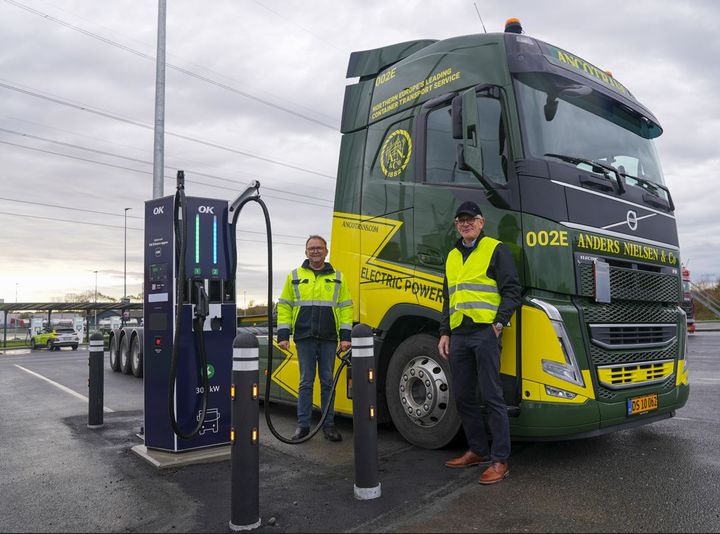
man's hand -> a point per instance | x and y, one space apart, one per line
345 346
284 345
444 347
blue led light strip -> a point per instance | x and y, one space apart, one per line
215 239
197 238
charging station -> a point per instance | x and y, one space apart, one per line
188 351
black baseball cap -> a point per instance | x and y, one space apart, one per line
468 208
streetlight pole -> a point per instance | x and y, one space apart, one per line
95 299
16 286
125 267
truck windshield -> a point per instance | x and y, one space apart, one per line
585 125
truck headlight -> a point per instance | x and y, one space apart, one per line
568 371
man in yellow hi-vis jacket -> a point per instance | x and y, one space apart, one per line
316 307
481 291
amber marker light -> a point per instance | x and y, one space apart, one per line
232 435
254 391
232 391
371 375
372 412
254 436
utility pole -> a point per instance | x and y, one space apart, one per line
159 145
125 299
95 299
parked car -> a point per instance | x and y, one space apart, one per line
55 337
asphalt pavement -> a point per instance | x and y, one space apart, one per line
60 476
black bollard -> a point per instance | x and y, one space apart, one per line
244 437
364 414
95 381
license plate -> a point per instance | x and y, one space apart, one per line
646 403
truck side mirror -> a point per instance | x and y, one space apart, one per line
471 148
457 121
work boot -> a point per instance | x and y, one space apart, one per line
468 459
332 434
300 433
497 472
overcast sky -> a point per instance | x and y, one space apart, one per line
254 90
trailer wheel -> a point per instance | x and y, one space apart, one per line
125 360
114 353
418 393
136 356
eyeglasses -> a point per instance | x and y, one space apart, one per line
467 220
316 249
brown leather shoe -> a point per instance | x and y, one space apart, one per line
468 459
495 473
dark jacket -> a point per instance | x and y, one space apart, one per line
501 269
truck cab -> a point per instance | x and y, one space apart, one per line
559 155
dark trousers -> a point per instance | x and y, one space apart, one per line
475 364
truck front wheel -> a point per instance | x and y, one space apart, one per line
418 393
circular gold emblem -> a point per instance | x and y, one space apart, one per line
395 153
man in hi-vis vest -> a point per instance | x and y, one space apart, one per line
481 291
315 305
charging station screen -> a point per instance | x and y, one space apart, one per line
158 321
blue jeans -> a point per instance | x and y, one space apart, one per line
310 352
475 364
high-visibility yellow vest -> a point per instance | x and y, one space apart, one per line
304 289
471 291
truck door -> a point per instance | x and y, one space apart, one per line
386 237
443 183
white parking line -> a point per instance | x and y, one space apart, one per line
60 386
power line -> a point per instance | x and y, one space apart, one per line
298 25
82 107
121 167
136 149
168 65
47 205
135 160
129 228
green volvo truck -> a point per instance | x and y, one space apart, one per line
560 157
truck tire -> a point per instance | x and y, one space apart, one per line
114 353
419 399
136 356
50 346
125 360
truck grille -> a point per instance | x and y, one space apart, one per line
632 344
635 375
600 356
632 284
628 336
